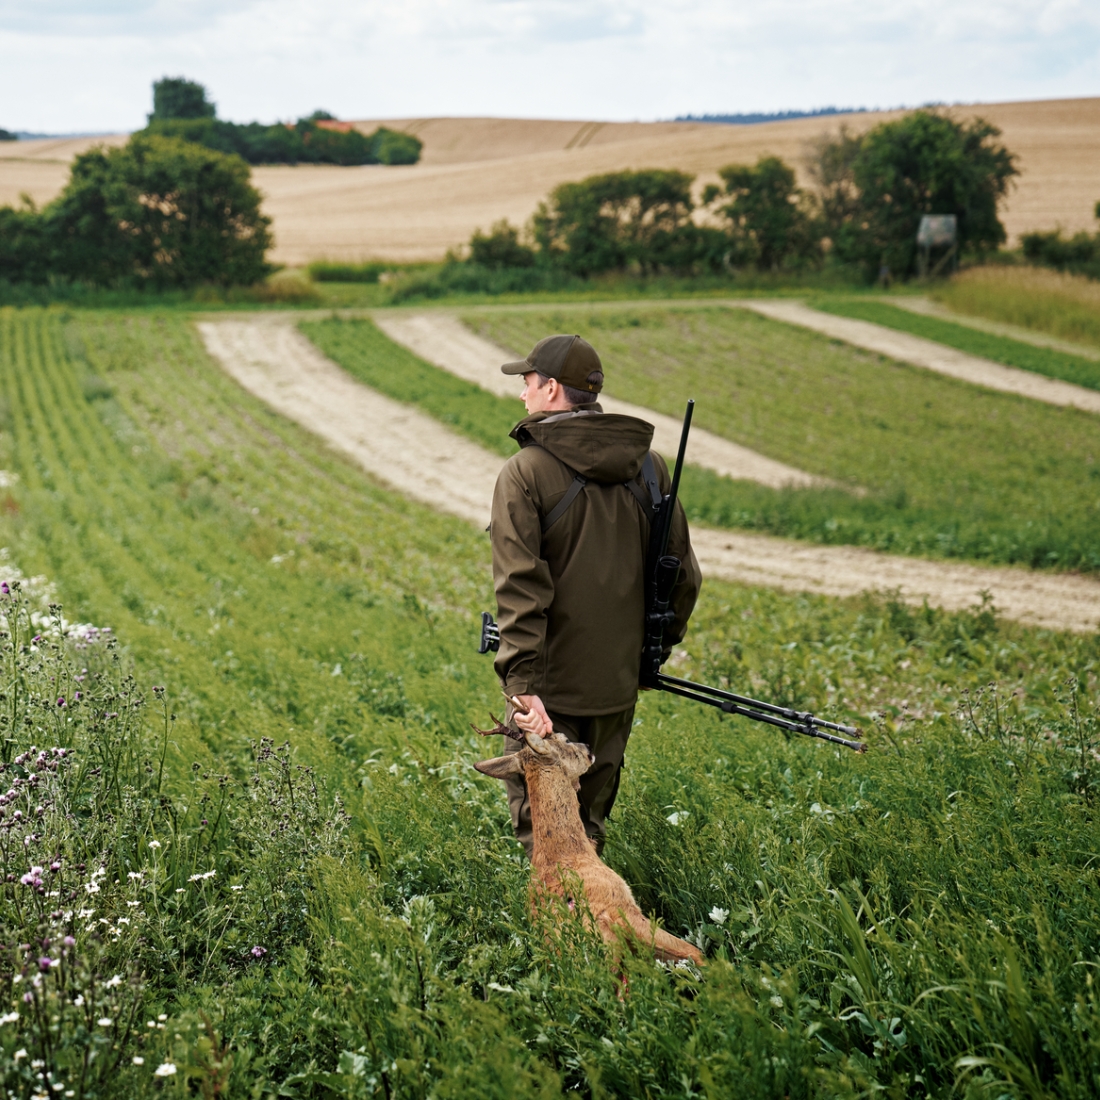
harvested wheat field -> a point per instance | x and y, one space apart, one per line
475 171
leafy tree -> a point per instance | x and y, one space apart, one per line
7 135
770 225
24 248
160 212
500 249
924 163
613 221
175 97
832 169
393 147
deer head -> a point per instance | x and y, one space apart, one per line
555 751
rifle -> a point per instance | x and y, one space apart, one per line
661 573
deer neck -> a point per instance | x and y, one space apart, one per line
556 825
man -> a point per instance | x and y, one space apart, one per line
570 529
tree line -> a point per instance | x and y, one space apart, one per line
870 192
174 207
181 109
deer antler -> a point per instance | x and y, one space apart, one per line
498 729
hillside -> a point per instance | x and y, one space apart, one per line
475 171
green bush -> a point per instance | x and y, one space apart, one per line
469 278
874 189
158 212
325 271
770 224
1076 255
620 220
500 249
181 110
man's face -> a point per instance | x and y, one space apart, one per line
535 399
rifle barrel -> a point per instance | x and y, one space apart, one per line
674 491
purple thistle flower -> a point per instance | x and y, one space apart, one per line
45 963
61 701
258 952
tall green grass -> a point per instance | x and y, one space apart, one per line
1001 349
951 470
919 920
1067 306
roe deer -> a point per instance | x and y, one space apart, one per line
552 768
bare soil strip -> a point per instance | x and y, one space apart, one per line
442 339
421 458
931 356
928 308
411 451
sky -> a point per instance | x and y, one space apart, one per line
88 65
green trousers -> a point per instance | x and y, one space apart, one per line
606 736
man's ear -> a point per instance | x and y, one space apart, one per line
502 766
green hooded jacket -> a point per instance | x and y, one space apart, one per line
571 602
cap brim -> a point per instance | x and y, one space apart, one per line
522 367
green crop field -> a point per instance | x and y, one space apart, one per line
951 470
916 921
1001 349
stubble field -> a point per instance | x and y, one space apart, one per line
475 171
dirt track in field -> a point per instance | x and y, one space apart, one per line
420 457
932 356
442 339
475 171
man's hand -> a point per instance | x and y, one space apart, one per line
536 720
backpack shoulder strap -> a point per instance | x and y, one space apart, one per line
651 502
559 509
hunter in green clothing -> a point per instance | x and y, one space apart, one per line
570 529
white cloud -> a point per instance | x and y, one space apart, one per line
71 65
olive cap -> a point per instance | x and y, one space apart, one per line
570 359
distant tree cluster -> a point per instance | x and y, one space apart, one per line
7 135
869 196
158 212
182 110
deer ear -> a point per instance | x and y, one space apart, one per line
502 766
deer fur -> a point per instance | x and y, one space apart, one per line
563 853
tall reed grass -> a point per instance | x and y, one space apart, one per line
1067 306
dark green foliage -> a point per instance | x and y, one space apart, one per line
181 110
324 271
7 135
158 212
619 220
923 163
1001 349
24 245
394 147
1079 254
177 97
500 249
460 278
770 225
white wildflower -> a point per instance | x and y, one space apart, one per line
19 1054
113 981
156 844
165 1069
719 915
9 1018
105 1021
138 1060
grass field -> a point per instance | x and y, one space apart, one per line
1067 306
919 920
952 470
1001 349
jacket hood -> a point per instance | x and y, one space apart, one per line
603 447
